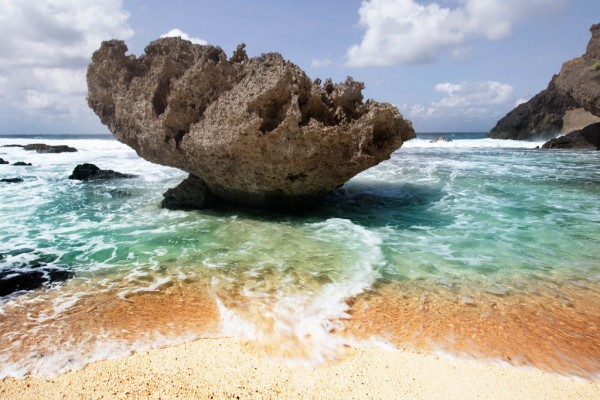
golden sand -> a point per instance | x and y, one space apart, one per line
555 329
225 369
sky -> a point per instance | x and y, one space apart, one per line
448 65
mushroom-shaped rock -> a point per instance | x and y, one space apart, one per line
256 131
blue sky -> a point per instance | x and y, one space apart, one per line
449 65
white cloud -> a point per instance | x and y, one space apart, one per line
466 99
474 93
179 33
407 31
45 46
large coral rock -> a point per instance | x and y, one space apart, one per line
256 131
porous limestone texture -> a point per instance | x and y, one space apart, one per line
256 130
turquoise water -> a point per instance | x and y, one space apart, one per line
493 215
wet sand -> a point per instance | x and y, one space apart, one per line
555 327
454 342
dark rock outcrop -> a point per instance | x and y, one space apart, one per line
255 130
90 172
587 138
11 180
22 164
31 277
2 161
191 194
45 148
539 118
576 87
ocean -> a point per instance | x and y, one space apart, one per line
479 248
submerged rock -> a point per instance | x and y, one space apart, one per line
255 130
571 101
587 138
45 148
90 172
22 164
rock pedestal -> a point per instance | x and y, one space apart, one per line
255 131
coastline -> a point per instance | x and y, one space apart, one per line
228 368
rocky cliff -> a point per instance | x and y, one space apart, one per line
256 131
571 101
540 117
580 77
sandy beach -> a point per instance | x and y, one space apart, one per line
229 369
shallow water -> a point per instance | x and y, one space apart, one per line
444 245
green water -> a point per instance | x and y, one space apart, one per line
474 213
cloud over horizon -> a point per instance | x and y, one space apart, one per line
466 100
412 32
45 47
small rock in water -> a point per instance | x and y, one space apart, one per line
440 139
31 277
2 161
11 180
89 172
44 148
22 163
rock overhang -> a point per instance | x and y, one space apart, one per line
256 130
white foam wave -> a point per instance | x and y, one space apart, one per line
472 143
298 324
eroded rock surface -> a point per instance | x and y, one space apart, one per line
254 130
580 77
